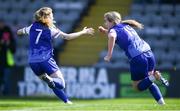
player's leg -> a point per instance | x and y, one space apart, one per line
151 66
48 80
154 89
58 79
147 83
139 73
57 87
143 76
143 84
40 68
54 79
159 77
37 69
156 93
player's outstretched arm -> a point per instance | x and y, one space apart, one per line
24 31
89 31
111 42
20 32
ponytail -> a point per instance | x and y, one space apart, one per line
133 23
115 18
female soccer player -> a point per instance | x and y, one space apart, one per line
142 61
41 61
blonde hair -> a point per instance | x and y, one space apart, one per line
42 16
115 17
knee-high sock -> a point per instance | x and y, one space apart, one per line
59 83
154 90
60 94
144 84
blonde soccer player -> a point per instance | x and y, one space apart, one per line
40 59
141 58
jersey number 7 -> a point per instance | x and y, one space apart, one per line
39 35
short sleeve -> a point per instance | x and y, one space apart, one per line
112 33
55 32
26 30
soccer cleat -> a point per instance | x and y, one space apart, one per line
49 82
69 102
161 102
159 77
164 81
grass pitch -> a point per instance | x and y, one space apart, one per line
125 104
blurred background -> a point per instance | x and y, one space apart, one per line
81 60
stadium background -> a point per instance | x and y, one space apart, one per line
81 60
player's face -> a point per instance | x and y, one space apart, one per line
107 23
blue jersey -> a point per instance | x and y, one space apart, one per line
40 39
128 40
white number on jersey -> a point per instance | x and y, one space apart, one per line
39 35
130 31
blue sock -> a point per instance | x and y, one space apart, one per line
58 83
144 84
154 90
60 94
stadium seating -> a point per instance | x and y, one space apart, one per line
84 51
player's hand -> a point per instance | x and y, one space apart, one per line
19 32
102 30
107 58
88 30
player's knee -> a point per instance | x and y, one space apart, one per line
58 79
59 83
62 82
49 82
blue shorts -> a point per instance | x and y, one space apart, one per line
141 65
49 67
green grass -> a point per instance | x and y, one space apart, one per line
126 104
